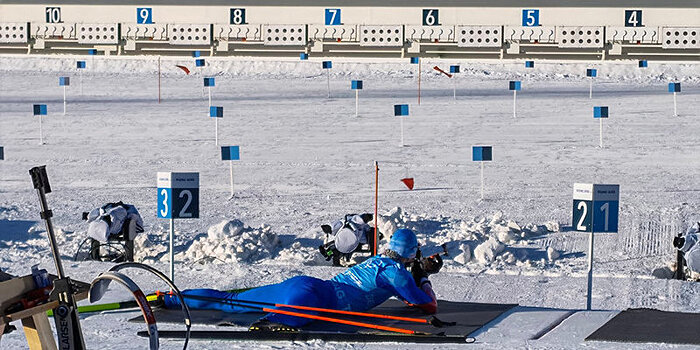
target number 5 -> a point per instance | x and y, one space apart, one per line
531 18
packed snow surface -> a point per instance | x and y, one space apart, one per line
306 160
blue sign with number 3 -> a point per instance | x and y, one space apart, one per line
144 15
531 18
165 196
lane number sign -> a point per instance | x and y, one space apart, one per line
431 17
332 17
596 207
531 18
178 195
238 16
144 15
53 15
633 18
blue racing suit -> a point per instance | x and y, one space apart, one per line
359 288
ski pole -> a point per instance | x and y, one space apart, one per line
242 303
432 321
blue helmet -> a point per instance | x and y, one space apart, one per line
404 243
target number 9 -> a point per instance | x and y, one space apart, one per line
144 15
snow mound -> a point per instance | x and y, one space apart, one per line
487 251
484 240
552 254
466 255
300 253
232 241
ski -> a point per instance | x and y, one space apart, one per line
324 336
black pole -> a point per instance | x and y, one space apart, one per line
70 336
41 183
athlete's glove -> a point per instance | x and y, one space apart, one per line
418 273
432 264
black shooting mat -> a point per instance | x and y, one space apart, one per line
469 317
650 326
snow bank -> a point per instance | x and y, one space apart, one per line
298 253
481 241
229 241
261 68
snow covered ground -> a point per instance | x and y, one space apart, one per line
307 160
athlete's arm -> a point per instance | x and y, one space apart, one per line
427 287
402 282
